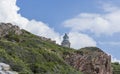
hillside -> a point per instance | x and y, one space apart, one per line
30 54
116 68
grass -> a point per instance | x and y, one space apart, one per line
28 54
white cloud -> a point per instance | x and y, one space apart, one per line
109 7
8 13
98 24
111 43
41 29
115 60
79 40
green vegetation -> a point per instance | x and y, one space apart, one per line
29 54
116 68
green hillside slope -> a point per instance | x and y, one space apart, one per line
116 68
29 54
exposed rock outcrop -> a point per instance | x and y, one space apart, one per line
7 28
90 60
5 69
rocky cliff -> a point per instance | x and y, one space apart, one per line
90 60
7 28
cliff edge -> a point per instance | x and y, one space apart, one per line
90 60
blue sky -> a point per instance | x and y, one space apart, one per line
87 22
54 12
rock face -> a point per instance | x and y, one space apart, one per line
90 60
7 28
5 69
